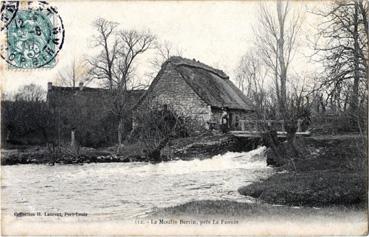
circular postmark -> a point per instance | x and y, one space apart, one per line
7 13
34 37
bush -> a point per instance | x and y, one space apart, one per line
26 122
35 123
155 127
313 188
339 123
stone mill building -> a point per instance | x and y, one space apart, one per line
194 89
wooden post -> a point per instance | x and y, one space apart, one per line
73 140
256 126
270 124
242 125
299 121
283 128
59 137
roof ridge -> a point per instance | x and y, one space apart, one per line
179 61
77 87
93 88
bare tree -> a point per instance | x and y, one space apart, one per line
342 47
102 65
132 45
164 50
250 77
115 64
7 96
276 40
73 74
31 92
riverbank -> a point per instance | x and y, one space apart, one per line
43 155
325 171
256 211
245 218
200 147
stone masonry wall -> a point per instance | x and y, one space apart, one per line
171 89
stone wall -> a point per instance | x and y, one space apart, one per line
172 90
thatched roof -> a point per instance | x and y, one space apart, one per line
212 85
82 89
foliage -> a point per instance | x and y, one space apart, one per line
26 122
312 179
38 122
27 119
338 123
157 126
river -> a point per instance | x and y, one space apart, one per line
118 191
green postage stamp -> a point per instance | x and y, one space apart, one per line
34 36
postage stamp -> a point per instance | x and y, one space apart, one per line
34 37
8 11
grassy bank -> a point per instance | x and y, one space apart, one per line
234 218
326 170
218 208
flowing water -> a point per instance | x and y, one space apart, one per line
116 191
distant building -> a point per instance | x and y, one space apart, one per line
88 111
194 89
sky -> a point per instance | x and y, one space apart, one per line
217 33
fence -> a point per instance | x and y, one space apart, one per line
263 125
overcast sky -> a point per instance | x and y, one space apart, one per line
216 33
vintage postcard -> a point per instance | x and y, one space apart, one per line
184 118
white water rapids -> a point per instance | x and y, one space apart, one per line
116 191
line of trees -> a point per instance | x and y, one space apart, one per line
266 74
342 48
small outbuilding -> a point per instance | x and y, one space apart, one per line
87 112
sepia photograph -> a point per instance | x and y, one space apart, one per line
174 118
